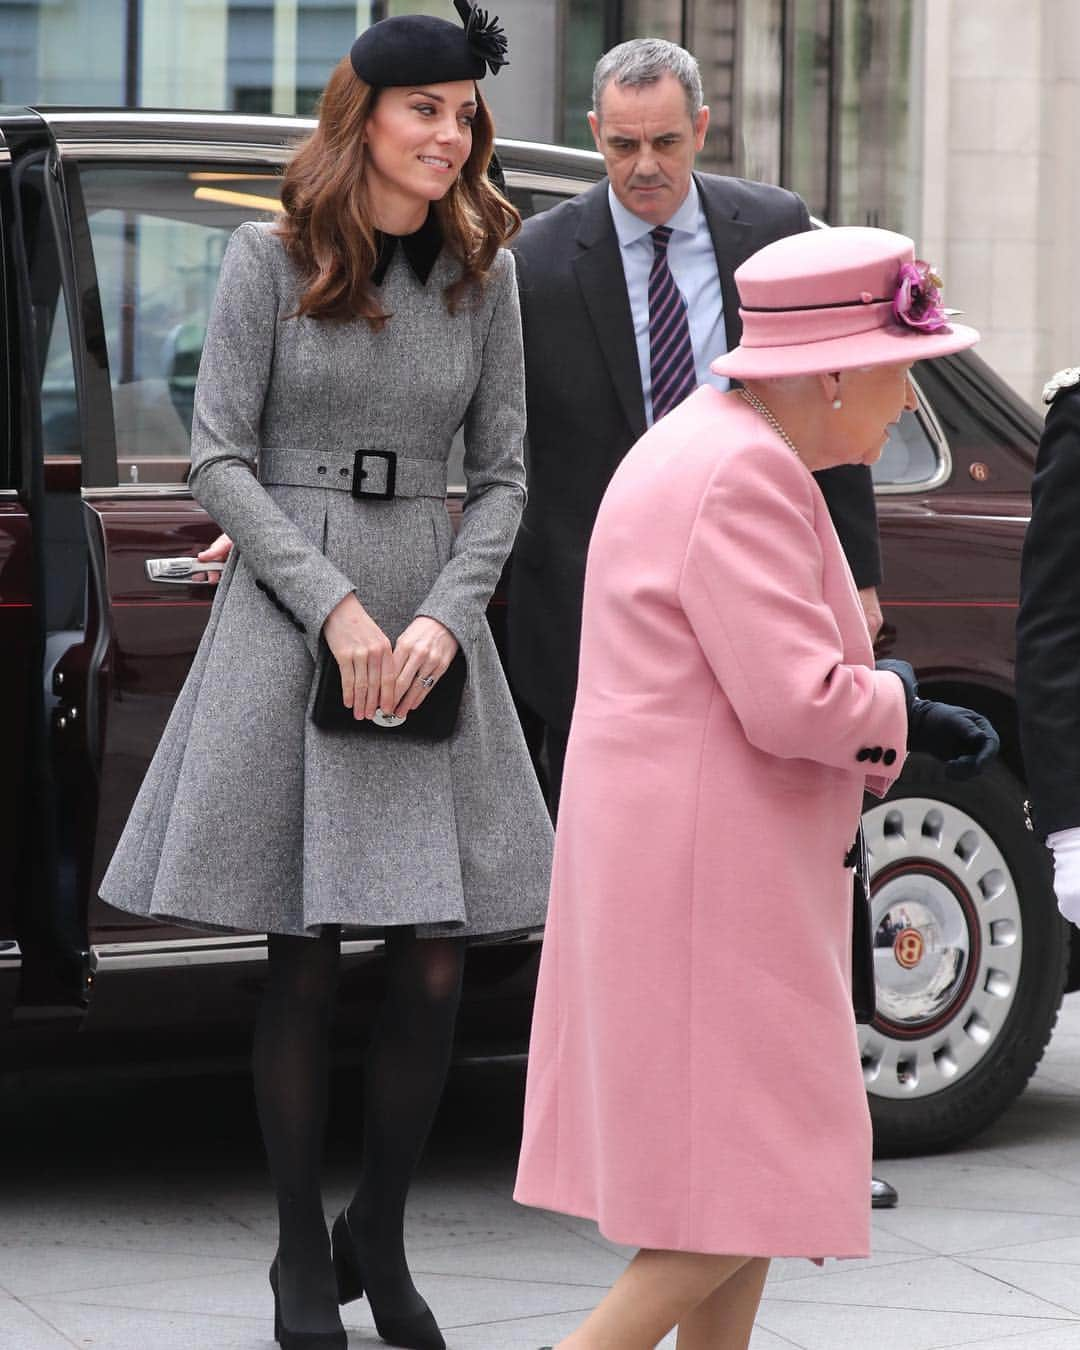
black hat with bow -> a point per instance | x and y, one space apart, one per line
421 49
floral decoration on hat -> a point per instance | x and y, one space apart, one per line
484 35
917 302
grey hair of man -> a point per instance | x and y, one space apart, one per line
643 61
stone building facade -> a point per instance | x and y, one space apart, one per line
1001 176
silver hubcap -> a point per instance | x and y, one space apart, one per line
947 946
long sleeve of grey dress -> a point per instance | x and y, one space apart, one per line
226 431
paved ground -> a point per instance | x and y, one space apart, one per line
141 1218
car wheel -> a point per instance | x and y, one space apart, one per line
970 956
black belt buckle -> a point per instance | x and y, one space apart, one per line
360 473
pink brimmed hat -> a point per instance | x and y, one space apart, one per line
835 299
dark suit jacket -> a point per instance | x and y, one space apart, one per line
1048 624
586 409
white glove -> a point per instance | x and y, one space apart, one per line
1065 846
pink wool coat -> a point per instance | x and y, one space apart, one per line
694 1080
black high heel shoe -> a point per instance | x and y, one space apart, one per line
412 1331
301 1340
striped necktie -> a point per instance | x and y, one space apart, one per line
673 374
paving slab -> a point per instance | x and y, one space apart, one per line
821 1327
160 1236
22 1328
947 1231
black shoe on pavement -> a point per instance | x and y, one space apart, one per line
882 1195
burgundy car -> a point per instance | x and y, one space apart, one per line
112 228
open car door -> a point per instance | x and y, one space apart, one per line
58 428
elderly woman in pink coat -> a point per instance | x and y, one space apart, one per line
694 1081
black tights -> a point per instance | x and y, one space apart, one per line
404 1076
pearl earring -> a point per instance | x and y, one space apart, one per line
837 404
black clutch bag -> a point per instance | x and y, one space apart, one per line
863 996
434 720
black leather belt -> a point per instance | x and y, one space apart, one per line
378 474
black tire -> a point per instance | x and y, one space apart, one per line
946 1056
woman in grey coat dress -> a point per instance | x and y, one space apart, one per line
378 317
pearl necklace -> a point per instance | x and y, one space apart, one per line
766 412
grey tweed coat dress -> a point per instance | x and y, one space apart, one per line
250 817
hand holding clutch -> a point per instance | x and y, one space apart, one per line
964 739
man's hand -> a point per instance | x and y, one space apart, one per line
422 652
218 551
1065 846
871 608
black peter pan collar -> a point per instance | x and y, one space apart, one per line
421 248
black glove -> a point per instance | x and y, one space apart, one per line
965 740
906 676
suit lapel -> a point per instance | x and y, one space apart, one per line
599 272
732 240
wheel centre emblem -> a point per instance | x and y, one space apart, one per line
909 948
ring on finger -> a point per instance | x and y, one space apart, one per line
427 681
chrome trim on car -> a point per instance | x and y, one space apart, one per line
937 437
155 123
65 124
258 152
545 182
998 520
213 951
589 163
208 951
138 491
230 151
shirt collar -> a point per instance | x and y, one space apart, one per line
630 228
421 249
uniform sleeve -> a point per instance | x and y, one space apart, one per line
494 469
751 587
1048 624
849 495
233 376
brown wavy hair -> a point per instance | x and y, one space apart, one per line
327 225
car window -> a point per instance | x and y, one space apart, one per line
911 458
159 233
54 358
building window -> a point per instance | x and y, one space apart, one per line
586 24
808 159
875 163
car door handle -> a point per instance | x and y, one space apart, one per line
180 571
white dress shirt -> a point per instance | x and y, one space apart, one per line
692 260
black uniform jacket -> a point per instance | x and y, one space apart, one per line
1048 625
586 409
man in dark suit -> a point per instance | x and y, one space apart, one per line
584 272
1048 640
602 278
